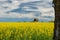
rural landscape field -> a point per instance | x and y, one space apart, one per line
26 30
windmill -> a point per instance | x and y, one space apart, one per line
57 20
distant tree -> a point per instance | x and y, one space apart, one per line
35 19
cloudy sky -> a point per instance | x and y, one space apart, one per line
26 10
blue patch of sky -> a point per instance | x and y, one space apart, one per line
16 19
1 2
21 20
37 14
20 10
44 20
47 17
10 1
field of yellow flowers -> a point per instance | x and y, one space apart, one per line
26 30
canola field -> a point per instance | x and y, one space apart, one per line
26 30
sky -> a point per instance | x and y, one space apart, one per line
26 10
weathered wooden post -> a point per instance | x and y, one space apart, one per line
57 20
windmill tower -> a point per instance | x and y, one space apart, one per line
57 20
